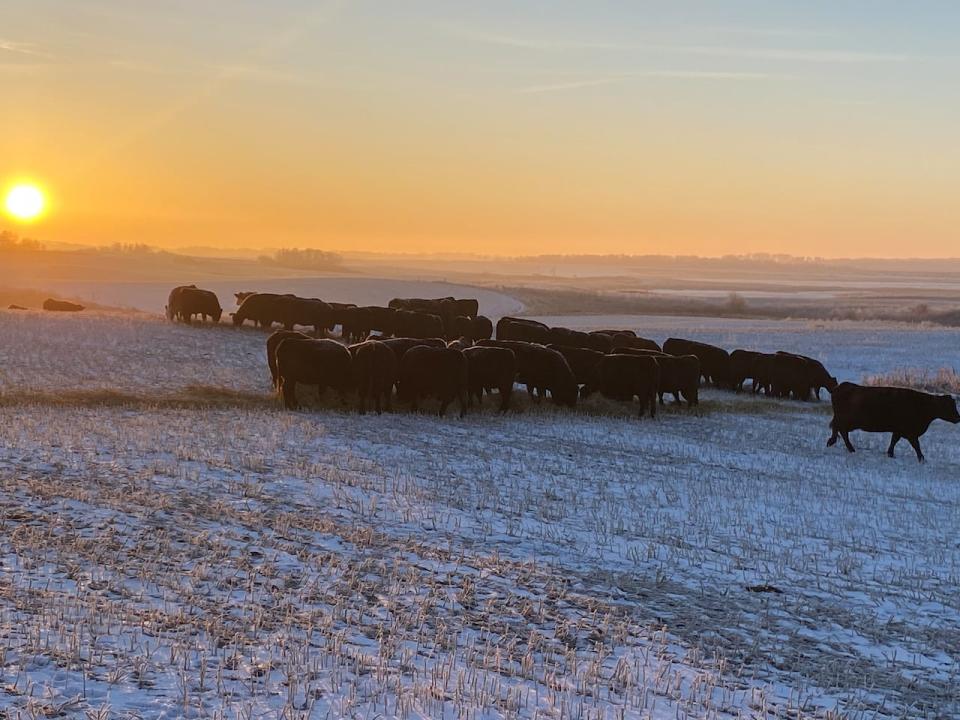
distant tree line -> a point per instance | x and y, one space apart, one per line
9 240
303 259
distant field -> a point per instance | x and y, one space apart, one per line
173 544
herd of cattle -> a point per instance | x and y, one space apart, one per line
444 348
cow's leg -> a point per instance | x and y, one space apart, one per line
660 397
443 406
833 437
894 439
288 389
653 405
845 434
915 443
462 397
505 393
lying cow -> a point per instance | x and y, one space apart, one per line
903 413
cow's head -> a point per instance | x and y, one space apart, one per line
217 315
237 320
948 409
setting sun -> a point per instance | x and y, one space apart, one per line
25 202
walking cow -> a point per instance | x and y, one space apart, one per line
901 412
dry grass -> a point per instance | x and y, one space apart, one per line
942 380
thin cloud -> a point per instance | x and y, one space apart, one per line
20 48
668 74
572 85
808 55
815 56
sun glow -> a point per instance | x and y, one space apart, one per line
25 202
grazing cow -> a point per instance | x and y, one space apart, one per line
679 374
632 341
446 306
263 309
438 372
61 306
575 338
447 309
623 377
762 370
324 363
401 345
307 312
375 371
472 328
358 322
817 375
714 361
172 308
188 300
742 367
273 341
903 413
790 377
542 370
340 313
582 361
491 368
510 328
409 323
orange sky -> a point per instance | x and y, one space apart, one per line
558 128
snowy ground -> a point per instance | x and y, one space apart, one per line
174 545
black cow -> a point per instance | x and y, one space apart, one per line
679 374
714 361
623 377
273 342
410 323
401 345
742 367
903 413
324 363
61 306
578 339
581 360
542 370
510 328
472 328
491 368
817 375
438 372
375 371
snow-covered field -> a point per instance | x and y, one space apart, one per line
175 545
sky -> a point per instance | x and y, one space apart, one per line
511 128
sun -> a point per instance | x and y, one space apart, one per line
25 202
